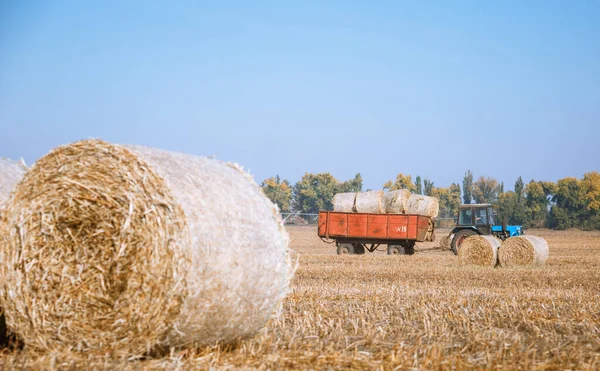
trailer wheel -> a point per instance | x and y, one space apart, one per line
396 250
345 248
459 238
359 248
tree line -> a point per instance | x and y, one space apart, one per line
567 203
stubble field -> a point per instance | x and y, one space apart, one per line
409 312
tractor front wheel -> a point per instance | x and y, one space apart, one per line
459 238
396 250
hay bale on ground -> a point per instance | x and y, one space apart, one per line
11 173
121 250
479 250
370 202
345 202
396 202
523 251
423 205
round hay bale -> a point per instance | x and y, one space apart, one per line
523 251
423 205
122 250
396 202
479 250
11 173
345 202
370 202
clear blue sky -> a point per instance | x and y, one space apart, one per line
503 88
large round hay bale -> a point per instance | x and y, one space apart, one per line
479 250
345 202
122 250
11 173
370 202
523 251
423 205
396 202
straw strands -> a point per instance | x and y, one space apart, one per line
126 249
523 251
345 202
479 250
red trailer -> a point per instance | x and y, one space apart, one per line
354 232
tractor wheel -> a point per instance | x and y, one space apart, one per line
345 248
396 250
459 238
359 249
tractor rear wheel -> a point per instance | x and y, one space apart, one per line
459 238
345 248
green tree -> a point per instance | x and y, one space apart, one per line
354 185
468 187
419 186
536 205
590 192
519 212
402 182
314 192
567 211
485 190
279 192
449 199
505 207
427 187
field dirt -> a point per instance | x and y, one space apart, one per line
424 311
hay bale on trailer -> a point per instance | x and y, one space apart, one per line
123 249
423 205
396 202
479 250
523 251
345 202
370 202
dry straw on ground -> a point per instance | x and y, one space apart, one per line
345 202
479 250
523 251
423 205
370 202
396 202
120 250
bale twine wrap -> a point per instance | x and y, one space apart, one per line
479 250
370 202
523 251
396 202
423 205
344 202
125 249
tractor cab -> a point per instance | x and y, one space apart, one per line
479 219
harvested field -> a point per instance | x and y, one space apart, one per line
423 311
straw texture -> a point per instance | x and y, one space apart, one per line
479 250
423 205
344 202
121 250
370 202
396 202
523 251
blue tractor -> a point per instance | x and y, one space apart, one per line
479 219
